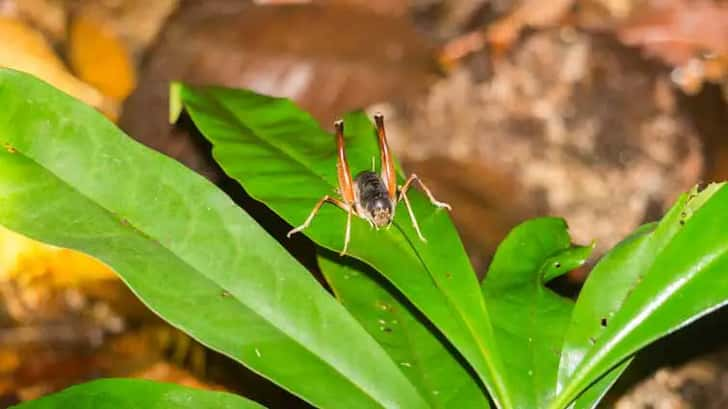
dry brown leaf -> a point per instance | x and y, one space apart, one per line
99 57
689 35
328 59
25 49
679 30
529 13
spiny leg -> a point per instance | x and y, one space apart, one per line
413 177
412 217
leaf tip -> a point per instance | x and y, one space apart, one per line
175 101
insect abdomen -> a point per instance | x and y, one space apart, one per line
371 188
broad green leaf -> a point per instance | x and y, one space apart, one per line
284 159
529 319
608 285
137 393
681 274
602 295
71 178
422 354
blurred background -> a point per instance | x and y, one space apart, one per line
600 111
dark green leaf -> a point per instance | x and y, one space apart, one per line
666 279
422 354
282 158
71 178
530 319
137 393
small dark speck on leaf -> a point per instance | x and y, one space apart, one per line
386 329
682 222
448 274
557 265
592 340
10 148
604 322
124 222
225 293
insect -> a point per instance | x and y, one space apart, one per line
370 196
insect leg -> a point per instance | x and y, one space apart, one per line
346 189
316 209
413 177
412 217
387 162
347 235
346 185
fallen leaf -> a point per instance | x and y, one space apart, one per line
679 30
25 49
99 57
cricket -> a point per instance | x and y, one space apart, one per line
370 196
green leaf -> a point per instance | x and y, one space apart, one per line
422 354
530 319
137 393
71 178
283 159
601 296
660 281
594 393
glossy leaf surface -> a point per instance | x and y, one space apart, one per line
283 159
71 178
669 277
137 393
427 360
530 319
605 290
